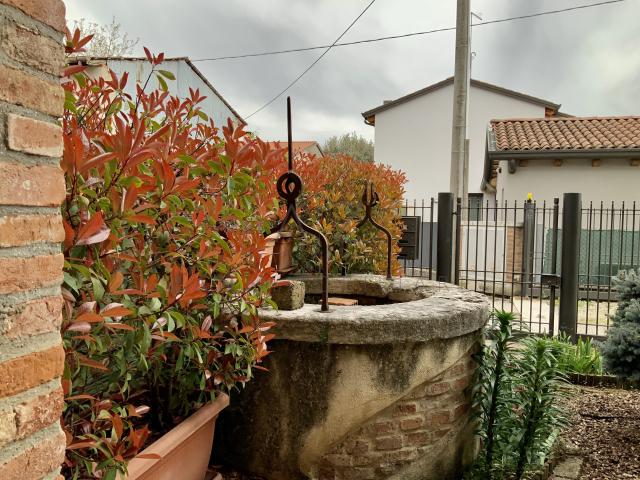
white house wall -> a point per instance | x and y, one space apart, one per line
614 180
185 78
415 136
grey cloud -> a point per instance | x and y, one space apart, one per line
586 60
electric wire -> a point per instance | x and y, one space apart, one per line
313 63
405 35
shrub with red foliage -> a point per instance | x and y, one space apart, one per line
165 218
331 202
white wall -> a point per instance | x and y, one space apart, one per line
416 136
614 180
185 78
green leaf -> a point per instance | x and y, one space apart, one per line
98 288
163 83
167 74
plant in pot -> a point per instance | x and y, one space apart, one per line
164 223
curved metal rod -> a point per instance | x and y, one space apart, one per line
370 199
289 186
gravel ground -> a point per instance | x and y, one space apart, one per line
606 429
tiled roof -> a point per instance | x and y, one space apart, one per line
297 146
369 115
574 133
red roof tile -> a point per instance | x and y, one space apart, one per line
574 133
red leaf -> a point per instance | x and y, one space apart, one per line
82 444
142 219
115 281
94 231
73 69
89 317
115 310
119 326
87 362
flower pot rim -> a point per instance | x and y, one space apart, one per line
177 435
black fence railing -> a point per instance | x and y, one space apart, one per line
512 252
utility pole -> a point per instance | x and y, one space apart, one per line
461 82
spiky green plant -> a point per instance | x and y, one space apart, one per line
489 388
516 402
537 415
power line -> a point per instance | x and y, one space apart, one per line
413 34
314 62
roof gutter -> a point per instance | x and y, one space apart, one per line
485 185
560 154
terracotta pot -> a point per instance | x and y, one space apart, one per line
283 253
269 247
184 451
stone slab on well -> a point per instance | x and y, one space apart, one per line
289 295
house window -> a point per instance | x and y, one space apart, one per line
475 207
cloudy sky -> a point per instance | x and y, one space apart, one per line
587 60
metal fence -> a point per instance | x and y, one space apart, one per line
513 253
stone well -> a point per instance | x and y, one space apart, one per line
362 392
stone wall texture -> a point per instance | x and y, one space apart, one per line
32 442
414 428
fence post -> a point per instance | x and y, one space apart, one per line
571 226
445 237
528 236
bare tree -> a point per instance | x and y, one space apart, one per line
108 40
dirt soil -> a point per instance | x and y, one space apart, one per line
606 429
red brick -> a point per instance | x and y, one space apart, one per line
418 439
438 419
21 274
37 316
406 408
383 427
361 461
338 460
457 369
50 12
33 185
438 434
399 456
25 229
355 447
38 413
460 384
363 473
36 461
389 443
22 373
438 388
459 411
326 473
23 89
33 136
27 46
411 423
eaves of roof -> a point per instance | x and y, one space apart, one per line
369 115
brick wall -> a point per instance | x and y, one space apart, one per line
31 190
513 255
405 431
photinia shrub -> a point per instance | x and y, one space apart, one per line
165 217
331 201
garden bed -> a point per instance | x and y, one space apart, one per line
605 426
